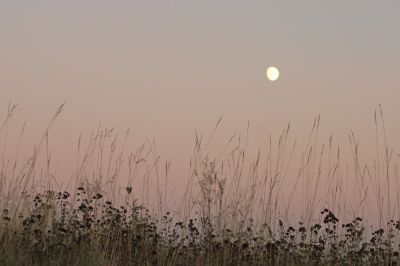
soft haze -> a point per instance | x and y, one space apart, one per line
168 68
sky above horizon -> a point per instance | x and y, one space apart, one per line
168 68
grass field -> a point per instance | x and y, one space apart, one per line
233 211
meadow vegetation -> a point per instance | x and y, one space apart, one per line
233 211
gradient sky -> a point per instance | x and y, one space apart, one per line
167 68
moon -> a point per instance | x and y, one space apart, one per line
272 73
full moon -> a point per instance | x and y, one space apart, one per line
272 73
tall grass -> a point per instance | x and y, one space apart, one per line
276 207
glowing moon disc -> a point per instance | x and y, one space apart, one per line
272 73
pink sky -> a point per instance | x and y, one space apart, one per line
167 68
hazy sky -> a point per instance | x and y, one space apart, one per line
166 68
